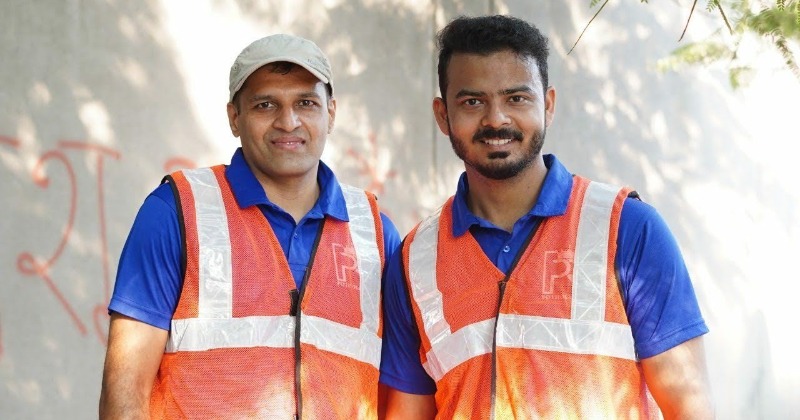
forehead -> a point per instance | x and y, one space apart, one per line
277 79
492 72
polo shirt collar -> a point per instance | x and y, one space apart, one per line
552 200
248 191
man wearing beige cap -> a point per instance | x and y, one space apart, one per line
252 290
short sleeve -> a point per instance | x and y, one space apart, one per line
149 276
401 367
659 298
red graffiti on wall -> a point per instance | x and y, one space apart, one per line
43 264
177 163
40 266
9 141
369 167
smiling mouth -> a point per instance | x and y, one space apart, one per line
497 142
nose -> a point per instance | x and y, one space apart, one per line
495 116
286 120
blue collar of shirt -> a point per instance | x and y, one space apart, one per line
552 200
249 192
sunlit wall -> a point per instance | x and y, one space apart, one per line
100 98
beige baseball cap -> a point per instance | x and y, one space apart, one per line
279 47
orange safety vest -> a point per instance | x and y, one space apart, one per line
550 340
244 343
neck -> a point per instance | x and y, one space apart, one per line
296 196
503 202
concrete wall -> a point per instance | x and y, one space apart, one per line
99 98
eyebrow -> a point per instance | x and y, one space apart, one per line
518 89
464 92
509 91
303 95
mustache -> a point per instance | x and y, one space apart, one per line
502 133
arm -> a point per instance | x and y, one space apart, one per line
401 405
132 359
678 380
146 292
663 312
405 390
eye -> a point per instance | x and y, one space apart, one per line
517 99
305 103
265 105
472 102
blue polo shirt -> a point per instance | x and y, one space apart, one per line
149 280
656 289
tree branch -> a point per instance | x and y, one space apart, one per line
587 25
687 21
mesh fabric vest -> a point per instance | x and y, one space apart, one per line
234 350
557 346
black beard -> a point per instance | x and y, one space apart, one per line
502 169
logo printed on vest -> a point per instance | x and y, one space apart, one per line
344 259
557 267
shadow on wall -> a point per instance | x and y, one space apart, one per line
93 113
673 138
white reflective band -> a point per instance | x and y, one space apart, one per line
586 332
215 326
422 275
452 350
363 234
198 334
591 253
216 286
565 335
356 343
530 332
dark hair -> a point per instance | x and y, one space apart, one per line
486 35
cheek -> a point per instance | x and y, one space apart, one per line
463 128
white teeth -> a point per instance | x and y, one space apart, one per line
497 142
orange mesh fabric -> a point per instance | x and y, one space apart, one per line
465 392
225 383
187 303
257 259
335 278
466 283
554 385
531 383
336 388
259 382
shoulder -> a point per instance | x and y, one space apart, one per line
641 225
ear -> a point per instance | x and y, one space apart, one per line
233 119
331 114
440 113
549 105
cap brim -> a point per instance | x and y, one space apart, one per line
252 69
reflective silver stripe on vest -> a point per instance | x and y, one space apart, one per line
585 333
216 327
357 343
456 348
566 335
198 334
363 233
422 272
591 253
216 270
